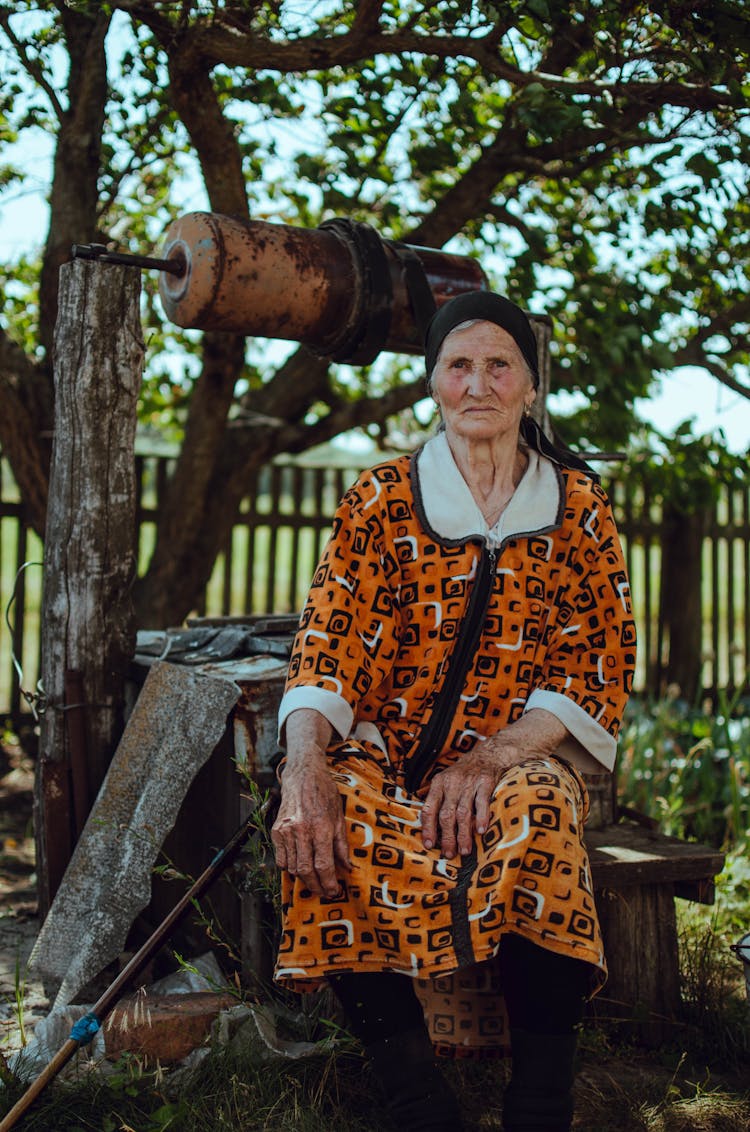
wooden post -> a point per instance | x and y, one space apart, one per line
681 609
639 928
542 327
88 624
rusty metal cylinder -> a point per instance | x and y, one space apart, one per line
340 289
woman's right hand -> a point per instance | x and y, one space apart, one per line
309 834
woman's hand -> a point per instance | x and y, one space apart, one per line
309 834
458 801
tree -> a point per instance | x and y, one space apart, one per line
594 153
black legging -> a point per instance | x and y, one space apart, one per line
544 994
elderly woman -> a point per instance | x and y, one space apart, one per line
466 650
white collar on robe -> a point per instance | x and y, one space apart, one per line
452 512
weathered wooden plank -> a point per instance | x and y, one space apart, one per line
626 854
87 618
640 941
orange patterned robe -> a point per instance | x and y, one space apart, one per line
423 634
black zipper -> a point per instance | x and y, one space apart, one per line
438 726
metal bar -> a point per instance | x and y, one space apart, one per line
109 998
303 285
173 266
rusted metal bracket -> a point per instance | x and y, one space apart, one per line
103 254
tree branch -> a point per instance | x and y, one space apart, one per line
693 354
216 43
689 357
195 100
32 66
297 384
140 158
509 153
352 414
367 18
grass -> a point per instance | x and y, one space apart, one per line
19 989
618 1090
21 590
688 768
228 1091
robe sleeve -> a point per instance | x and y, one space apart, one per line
348 634
586 672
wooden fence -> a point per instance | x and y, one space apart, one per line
283 526
722 579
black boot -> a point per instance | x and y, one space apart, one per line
418 1098
539 1097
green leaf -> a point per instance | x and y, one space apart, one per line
612 194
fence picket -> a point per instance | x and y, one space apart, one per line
284 523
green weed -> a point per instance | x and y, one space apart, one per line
689 768
19 994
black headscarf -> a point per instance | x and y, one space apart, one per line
489 307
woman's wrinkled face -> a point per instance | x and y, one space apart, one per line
481 382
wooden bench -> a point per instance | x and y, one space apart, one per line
637 871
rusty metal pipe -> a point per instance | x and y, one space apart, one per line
315 286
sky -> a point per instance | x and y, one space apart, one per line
687 393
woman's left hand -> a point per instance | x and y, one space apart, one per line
458 801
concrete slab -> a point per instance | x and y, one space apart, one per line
178 719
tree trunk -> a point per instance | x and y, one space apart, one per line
88 633
681 607
75 186
21 439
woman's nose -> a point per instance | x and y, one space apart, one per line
476 381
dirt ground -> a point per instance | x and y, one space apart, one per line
618 1088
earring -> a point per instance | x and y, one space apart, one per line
527 410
